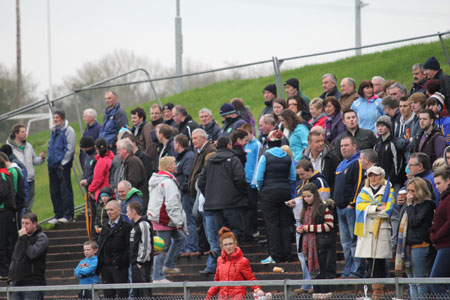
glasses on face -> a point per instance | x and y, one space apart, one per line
228 244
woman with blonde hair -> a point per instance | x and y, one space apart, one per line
413 242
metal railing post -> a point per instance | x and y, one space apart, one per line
94 292
186 291
75 98
444 48
286 290
278 80
7 293
398 289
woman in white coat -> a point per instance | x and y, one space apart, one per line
374 207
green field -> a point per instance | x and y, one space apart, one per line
392 64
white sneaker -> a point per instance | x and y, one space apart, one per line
256 234
53 221
63 220
162 281
171 270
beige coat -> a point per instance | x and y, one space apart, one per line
368 246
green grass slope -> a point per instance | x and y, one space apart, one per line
392 64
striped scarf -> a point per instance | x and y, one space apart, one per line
403 253
309 245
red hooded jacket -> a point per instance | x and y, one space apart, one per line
232 268
101 173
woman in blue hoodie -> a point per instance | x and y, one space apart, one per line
298 129
367 106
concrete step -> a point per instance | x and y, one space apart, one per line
66 233
72 248
70 225
66 240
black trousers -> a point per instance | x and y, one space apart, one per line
251 213
277 219
139 275
8 239
112 275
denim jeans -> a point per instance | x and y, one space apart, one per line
353 265
441 268
418 260
233 218
211 225
301 258
28 295
191 242
173 240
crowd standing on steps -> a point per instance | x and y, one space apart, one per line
360 157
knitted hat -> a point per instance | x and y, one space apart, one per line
6 149
275 135
123 132
168 106
60 113
87 142
375 170
292 82
271 88
385 120
432 64
107 191
227 109
439 100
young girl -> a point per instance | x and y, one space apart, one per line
318 237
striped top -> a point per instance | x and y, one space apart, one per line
326 226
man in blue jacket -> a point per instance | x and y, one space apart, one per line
349 174
114 119
61 149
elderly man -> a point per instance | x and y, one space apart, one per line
132 168
113 252
419 166
397 91
329 87
138 117
208 124
61 149
114 119
145 159
349 93
432 69
266 125
292 88
419 80
128 194
184 121
25 154
148 141
28 260
378 84
92 126
231 119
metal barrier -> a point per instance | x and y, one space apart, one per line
286 287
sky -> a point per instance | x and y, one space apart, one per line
215 32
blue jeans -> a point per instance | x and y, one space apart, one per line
441 268
354 266
28 295
211 225
418 260
191 242
301 258
173 240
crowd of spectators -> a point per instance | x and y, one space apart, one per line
357 161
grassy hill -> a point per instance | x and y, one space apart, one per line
391 64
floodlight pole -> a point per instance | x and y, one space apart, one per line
50 88
178 50
358 5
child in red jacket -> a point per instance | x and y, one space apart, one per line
232 266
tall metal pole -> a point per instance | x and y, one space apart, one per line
178 50
50 88
358 5
18 57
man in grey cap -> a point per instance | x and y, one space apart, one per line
432 69
61 149
270 93
231 120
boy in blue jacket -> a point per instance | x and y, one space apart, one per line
85 270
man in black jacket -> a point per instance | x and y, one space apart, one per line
185 124
28 262
223 184
113 254
432 69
